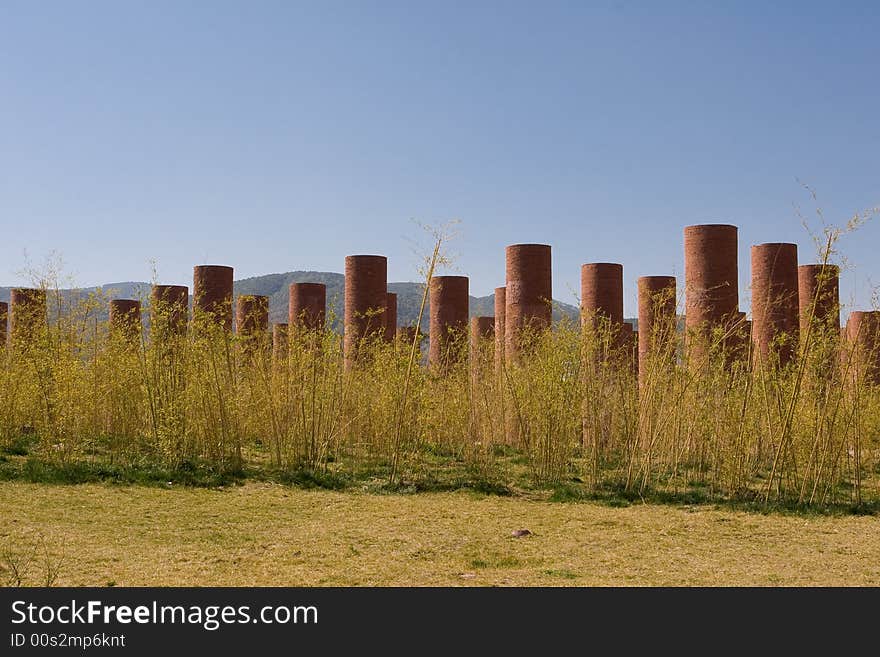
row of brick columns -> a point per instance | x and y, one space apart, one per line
784 297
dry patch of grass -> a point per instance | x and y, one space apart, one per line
266 534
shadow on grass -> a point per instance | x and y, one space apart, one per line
201 475
437 485
36 470
310 479
375 480
19 445
616 495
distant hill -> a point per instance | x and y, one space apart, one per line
275 286
409 296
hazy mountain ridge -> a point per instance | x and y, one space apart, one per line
409 296
275 286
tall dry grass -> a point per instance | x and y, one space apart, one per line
569 412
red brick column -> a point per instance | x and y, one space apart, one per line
279 342
628 346
4 319
212 294
657 305
528 294
252 323
500 308
27 315
711 281
125 318
307 306
366 281
481 328
482 344
252 315
602 293
863 334
448 319
775 305
390 316
819 296
169 309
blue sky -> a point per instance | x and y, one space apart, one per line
275 136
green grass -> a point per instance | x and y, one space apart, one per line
42 471
19 445
445 475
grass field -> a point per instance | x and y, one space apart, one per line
268 534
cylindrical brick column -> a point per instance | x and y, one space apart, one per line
481 351
819 297
627 346
307 306
4 318
635 352
656 319
27 315
863 334
252 315
366 280
279 342
125 318
252 323
481 328
168 309
500 311
528 294
212 294
710 279
739 339
448 314
390 316
775 300
602 293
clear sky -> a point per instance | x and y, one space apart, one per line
275 136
